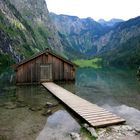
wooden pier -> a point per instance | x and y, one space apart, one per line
92 113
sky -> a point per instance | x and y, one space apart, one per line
96 9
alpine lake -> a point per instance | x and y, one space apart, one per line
31 112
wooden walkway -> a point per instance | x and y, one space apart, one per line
92 113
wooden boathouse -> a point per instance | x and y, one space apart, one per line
43 67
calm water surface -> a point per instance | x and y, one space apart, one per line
117 90
21 109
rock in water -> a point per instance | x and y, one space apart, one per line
49 104
118 132
85 125
46 112
92 131
10 105
38 108
138 73
75 136
20 103
127 127
2 104
137 130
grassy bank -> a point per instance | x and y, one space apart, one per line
94 63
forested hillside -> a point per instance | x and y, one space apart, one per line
123 45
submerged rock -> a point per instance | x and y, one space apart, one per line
46 112
91 130
20 101
20 104
127 128
137 130
75 136
2 104
49 104
10 105
38 108
85 125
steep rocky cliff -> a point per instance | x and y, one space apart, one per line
77 33
25 28
36 13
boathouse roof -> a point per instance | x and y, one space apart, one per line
46 51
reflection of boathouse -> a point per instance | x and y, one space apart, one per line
44 66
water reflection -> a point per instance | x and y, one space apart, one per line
132 115
111 86
34 95
7 87
21 111
58 127
116 90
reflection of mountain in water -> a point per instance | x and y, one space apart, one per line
111 86
6 82
58 126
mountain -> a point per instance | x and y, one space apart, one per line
36 13
78 34
111 23
122 44
25 28
116 41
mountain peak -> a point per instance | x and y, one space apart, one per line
112 22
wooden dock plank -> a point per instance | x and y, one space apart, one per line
99 116
90 109
92 113
107 122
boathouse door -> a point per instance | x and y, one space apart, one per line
45 72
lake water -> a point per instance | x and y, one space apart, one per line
117 90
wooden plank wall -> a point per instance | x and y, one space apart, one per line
29 72
61 69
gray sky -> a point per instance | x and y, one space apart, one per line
97 9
